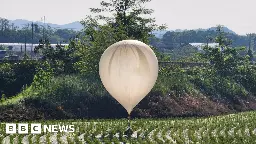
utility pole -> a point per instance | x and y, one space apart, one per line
252 43
43 30
249 41
207 41
32 39
25 46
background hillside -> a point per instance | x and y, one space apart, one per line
78 26
74 25
176 43
160 33
19 31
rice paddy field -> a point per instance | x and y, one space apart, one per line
234 128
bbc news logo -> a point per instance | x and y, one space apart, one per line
36 128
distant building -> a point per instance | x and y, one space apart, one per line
10 48
17 46
2 53
200 46
12 57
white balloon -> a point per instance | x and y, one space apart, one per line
128 70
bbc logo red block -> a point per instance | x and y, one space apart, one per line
22 128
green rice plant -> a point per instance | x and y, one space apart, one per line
234 128
76 139
48 140
58 137
30 138
69 140
38 139
20 139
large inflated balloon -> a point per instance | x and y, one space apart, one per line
128 70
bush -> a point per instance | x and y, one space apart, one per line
209 82
173 79
77 97
16 75
246 76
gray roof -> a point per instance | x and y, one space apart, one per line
3 52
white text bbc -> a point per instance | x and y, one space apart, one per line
37 128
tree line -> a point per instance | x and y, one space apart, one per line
32 32
172 40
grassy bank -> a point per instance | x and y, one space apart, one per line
178 92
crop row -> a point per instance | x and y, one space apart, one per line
234 128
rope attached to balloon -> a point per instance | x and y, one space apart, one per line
129 122
129 131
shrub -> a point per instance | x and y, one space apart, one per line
15 75
246 76
209 82
77 97
173 78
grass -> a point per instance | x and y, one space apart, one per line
15 99
58 87
232 128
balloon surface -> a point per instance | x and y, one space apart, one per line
128 70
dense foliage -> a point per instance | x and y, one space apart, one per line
174 39
126 21
16 75
61 58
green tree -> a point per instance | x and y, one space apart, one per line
250 54
127 20
223 58
2 47
61 58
